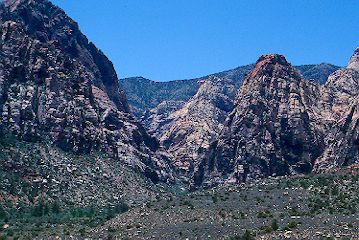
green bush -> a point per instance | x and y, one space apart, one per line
265 214
274 225
2 213
246 236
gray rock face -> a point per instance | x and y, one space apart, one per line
270 131
55 85
354 61
341 97
188 132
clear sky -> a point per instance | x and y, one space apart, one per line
179 39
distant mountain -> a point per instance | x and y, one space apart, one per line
317 72
145 95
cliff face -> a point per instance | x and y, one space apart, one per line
354 61
188 132
270 130
57 86
341 97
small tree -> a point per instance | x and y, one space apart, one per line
55 208
38 210
247 236
2 212
274 225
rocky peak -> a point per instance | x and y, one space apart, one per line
270 130
272 65
354 60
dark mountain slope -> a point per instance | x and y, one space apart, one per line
145 94
317 72
57 89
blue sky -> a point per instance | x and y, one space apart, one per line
179 39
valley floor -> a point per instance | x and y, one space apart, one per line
302 207
307 207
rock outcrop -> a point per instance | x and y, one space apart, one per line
188 132
57 86
354 61
271 130
181 122
341 95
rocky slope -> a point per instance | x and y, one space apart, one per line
270 131
354 61
341 94
188 132
57 88
317 72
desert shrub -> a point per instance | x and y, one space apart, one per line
246 236
264 214
274 225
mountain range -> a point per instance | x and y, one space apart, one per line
145 95
73 133
57 87
187 115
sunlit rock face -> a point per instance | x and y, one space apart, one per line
188 132
271 130
354 61
341 94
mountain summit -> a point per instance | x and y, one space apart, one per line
269 132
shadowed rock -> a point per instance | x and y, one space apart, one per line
57 86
